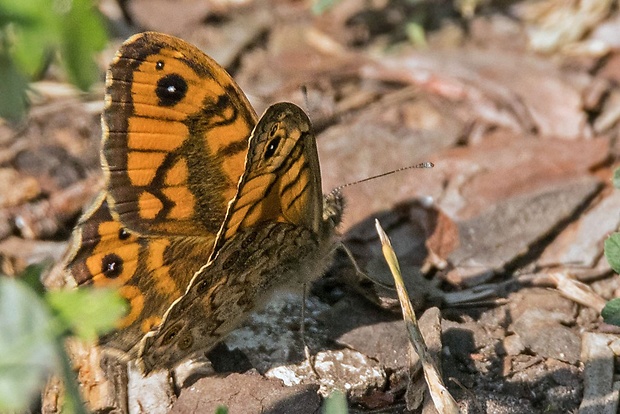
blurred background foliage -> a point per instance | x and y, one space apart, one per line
35 325
37 33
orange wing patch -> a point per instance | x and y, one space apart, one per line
150 206
134 297
177 175
294 192
155 135
160 269
142 167
176 133
183 201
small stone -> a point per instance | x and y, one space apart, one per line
247 394
338 370
513 345
542 334
560 309
615 346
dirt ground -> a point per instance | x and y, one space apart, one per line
516 105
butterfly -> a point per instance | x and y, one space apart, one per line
206 210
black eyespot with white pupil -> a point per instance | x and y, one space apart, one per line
159 65
112 266
123 234
272 146
171 89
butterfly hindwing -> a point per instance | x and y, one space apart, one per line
246 271
139 268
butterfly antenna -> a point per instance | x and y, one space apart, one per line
421 165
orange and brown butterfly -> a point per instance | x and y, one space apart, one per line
205 211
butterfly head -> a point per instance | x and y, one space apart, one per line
333 207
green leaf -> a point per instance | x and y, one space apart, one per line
32 32
87 312
612 251
32 50
27 345
336 403
83 36
31 276
221 410
13 84
616 179
611 312
25 11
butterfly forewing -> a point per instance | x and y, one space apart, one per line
175 138
282 180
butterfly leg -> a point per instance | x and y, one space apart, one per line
302 331
358 271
